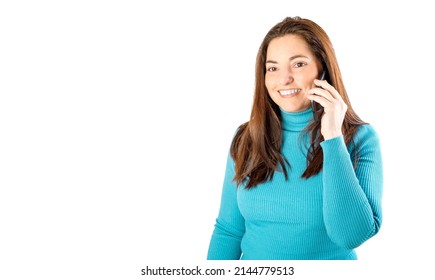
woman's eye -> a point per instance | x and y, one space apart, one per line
299 64
271 69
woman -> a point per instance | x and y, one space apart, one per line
299 183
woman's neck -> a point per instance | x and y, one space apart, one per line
296 121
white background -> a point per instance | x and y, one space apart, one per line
116 118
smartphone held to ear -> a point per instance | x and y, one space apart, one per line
317 108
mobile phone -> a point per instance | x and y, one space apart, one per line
317 108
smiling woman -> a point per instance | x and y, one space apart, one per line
291 69
299 187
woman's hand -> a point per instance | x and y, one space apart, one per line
333 105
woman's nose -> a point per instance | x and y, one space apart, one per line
286 77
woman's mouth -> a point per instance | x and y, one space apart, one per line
289 92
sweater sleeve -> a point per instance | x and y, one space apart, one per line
352 197
230 224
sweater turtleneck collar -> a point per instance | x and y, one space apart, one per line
296 121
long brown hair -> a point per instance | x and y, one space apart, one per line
256 146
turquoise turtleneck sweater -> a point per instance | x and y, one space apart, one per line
323 217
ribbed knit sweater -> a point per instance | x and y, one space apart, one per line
324 217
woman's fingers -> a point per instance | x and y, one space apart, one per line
334 108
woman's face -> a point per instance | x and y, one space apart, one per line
291 68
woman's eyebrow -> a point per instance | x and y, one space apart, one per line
271 61
290 59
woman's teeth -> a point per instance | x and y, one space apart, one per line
289 91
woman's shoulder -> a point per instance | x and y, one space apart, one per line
366 135
366 131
